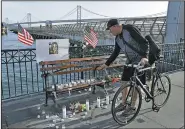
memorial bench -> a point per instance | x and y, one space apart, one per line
69 66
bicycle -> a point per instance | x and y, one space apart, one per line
149 95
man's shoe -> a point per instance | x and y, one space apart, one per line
129 111
120 108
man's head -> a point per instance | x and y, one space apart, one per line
114 27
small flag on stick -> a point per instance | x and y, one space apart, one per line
90 36
24 36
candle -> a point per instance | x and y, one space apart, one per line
87 105
64 111
63 126
107 99
38 116
70 84
90 89
98 102
47 116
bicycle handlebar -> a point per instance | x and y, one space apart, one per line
138 66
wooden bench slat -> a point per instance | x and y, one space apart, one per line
71 65
84 69
68 60
75 60
73 71
58 67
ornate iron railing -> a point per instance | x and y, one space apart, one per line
21 74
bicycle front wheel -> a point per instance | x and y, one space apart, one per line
123 114
161 90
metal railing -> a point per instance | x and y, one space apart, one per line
21 74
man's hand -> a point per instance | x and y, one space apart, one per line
102 67
144 61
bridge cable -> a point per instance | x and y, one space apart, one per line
156 14
35 17
23 19
94 12
69 13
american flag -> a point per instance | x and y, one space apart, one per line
24 36
90 36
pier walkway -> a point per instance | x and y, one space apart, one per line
23 113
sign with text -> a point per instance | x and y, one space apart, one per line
52 49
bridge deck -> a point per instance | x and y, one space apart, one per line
23 112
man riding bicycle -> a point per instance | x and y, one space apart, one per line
125 40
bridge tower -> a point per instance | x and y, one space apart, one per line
79 15
29 19
175 22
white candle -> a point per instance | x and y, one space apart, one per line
83 82
67 85
69 92
70 84
74 83
87 105
64 111
98 102
47 116
43 112
107 99
63 126
89 81
61 86
90 89
92 80
38 116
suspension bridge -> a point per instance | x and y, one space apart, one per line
154 25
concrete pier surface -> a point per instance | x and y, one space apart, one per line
23 113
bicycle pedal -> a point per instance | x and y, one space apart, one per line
147 99
156 109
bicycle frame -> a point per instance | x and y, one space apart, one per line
136 79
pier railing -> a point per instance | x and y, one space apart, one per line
21 74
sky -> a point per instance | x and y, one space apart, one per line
55 10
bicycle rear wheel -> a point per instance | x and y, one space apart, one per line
125 120
161 83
